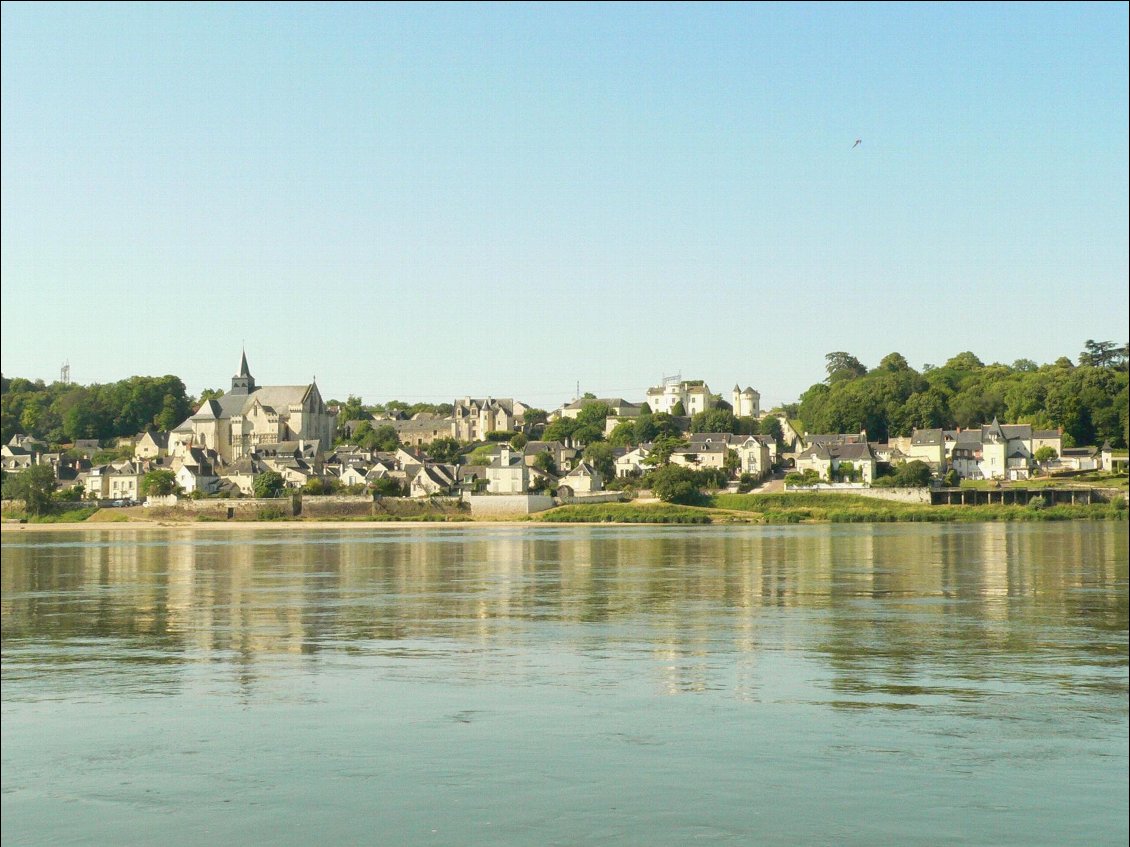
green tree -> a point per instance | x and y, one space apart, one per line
387 486
601 455
535 416
679 410
560 430
267 484
159 482
675 484
842 366
543 461
34 486
351 410
714 420
1044 454
443 449
623 434
519 440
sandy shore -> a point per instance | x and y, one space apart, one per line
228 526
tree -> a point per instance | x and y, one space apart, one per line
519 440
443 449
560 430
267 484
842 366
600 455
387 486
351 410
732 461
159 483
915 474
623 434
1044 454
535 416
34 486
894 362
675 484
772 427
543 461
587 433
679 410
1102 354
316 486
714 420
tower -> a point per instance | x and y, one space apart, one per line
243 382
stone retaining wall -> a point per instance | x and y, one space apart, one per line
508 504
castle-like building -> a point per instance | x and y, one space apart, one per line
249 415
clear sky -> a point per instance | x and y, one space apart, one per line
422 202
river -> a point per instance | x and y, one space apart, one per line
850 685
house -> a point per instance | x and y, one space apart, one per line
151 445
509 473
563 457
701 454
473 418
249 416
240 475
833 460
632 462
694 395
999 451
124 481
757 454
423 428
14 458
430 480
352 474
583 479
620 408
195 470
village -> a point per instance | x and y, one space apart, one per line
264 441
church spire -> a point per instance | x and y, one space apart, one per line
243 382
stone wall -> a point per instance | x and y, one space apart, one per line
898 495
597 497
508 504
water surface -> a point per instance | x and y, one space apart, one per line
888 684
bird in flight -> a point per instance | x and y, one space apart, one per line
858 141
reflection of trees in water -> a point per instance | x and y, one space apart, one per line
880 603
980 605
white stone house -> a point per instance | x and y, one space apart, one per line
632 463
583 479
508 474
693 394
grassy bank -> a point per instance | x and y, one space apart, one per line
848 508
817 507
626 513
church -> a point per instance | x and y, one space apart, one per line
250 415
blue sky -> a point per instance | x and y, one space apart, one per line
421 202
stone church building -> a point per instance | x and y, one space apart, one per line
250 415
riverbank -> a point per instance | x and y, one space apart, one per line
767 509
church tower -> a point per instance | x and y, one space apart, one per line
243 382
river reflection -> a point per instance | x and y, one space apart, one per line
871 600
787 657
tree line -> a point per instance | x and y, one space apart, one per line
59 413
1088 398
